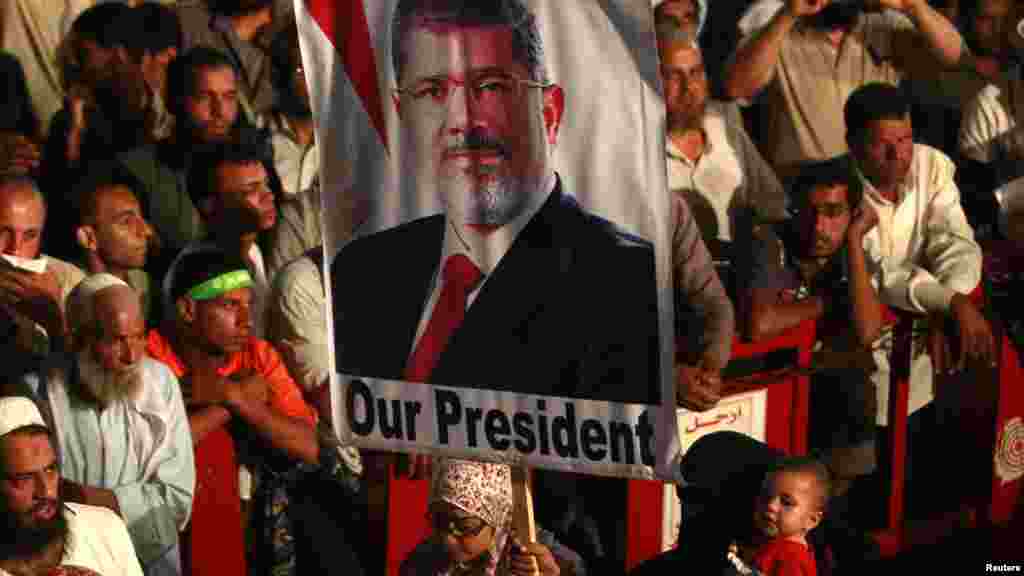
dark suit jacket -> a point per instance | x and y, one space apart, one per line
571 310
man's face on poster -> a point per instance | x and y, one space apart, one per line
476 127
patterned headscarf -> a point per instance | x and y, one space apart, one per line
483 490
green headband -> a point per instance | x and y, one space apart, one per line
219 285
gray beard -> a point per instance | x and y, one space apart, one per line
496 204
105 386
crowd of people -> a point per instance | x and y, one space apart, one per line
164 407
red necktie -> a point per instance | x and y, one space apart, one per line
460 277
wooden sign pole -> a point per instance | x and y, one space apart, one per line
522 511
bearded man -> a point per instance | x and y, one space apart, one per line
40 534
120 422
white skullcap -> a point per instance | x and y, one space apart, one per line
79 308
18 412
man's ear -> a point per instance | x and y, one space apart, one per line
186 309
554 105
86 238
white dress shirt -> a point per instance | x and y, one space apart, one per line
486 252
923 248
139 448
729 175
97 540
920 254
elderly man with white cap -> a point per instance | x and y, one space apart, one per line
119 421
39 532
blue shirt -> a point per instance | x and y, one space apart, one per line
139 448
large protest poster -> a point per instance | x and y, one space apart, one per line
496 223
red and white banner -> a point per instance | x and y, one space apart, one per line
525 137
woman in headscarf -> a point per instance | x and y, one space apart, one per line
471 512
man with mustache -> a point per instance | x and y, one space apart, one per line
514 287
119 421
40 533
112 233
805 57
924 259
479 121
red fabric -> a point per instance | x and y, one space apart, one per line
782 557
345 25
258 357
460 276
216 542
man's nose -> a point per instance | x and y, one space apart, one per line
902 153
44 488
16 246
244 318
131 354
896 152
460 109
216 108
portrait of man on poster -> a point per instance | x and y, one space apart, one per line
514 286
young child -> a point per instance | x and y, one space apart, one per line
792 502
